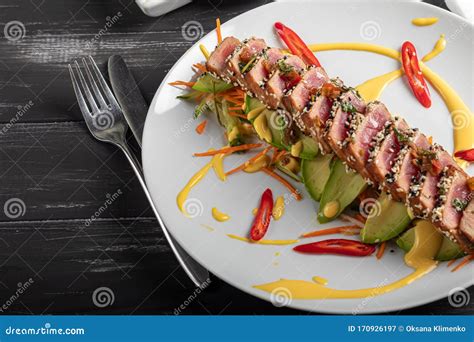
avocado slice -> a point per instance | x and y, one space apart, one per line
316 173
341 189
387 219
310 148
449 250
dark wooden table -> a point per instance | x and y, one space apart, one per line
50 162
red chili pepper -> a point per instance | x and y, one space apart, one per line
467 155
414 75
296 45
337 246
262 218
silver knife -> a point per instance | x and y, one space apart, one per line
135 109
128 95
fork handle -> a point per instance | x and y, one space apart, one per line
198 274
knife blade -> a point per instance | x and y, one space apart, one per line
128 95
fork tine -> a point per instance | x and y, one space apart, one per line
93 83
108 93
89 96
80 98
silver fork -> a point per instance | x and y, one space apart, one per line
106 122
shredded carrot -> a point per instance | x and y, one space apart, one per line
218 31
274 156
182 83
227 150
335 230
201 127
451 262
200 67
278 156
237 115
248 162
235 92
232 99
360 217
283 181
351 219
381 250
235 108
463 263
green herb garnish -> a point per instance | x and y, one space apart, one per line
401 136
348 107
459 204
284 67
248 65
427 153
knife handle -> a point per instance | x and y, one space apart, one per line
198 274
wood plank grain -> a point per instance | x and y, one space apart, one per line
60 171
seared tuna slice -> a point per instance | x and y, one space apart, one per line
376 117
467 220
297 98
242 55
217 61
314 117
344 118
405 169
287 69
257 77
424 191
453 198
314 120
385 149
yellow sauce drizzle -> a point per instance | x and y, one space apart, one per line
437 49
320 280
208 227
278 208
379 49
195 179
263 242
219 216
420 258
258 164
424 21
216 164
461 116
372 89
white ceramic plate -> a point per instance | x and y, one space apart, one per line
170 140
